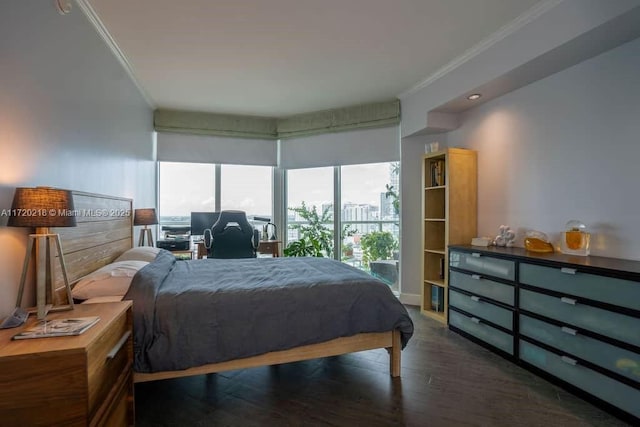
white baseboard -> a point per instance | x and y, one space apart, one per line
410 299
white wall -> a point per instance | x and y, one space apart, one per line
565 147
70 117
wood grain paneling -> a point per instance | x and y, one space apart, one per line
104 231
96 207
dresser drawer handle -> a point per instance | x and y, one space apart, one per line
476 276
566 270
475 320
476 254
569 360
569 331
116 348
475 298
569 301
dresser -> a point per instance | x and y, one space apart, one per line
573 320
83 380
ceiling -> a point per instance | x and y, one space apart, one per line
281 57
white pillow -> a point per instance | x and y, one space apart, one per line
141 253
111 280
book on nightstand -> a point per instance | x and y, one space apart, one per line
58 328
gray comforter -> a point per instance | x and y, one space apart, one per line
190 313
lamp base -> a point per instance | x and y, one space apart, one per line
44 274
145 234
49 308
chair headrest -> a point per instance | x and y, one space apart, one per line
227 217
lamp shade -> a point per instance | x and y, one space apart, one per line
146 216
42 207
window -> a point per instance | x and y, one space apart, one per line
310 211
183 188
192 187
366 231
370 217
369 220
247 188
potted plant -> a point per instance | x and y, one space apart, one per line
347 250
377 245
315 238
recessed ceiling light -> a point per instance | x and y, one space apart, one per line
474 96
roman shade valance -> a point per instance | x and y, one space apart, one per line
365 116
361 134
375 115
225 125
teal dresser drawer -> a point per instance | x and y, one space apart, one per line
475 306
615 325
482 264
624 293
483 287
620 395
486 333
615 359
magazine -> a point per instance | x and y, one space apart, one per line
58 328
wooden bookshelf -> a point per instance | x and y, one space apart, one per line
449 209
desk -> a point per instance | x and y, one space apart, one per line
264 247
202 250
269 247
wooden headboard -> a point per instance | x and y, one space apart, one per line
104 231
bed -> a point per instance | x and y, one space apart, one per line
187 312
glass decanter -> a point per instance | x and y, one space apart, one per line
537 241
575 239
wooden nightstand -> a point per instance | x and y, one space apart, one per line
78 380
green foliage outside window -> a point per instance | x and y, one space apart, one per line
377 245
315 238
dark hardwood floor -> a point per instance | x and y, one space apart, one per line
446 381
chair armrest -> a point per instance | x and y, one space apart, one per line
255 241
207 237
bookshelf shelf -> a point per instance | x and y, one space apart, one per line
436 251
436 282
449 217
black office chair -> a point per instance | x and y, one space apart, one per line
233 237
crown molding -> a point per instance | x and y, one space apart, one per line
91 14
510 28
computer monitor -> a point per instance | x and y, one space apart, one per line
201 221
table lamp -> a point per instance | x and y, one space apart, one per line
41 208
146 216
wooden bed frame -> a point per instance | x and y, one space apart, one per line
105 231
